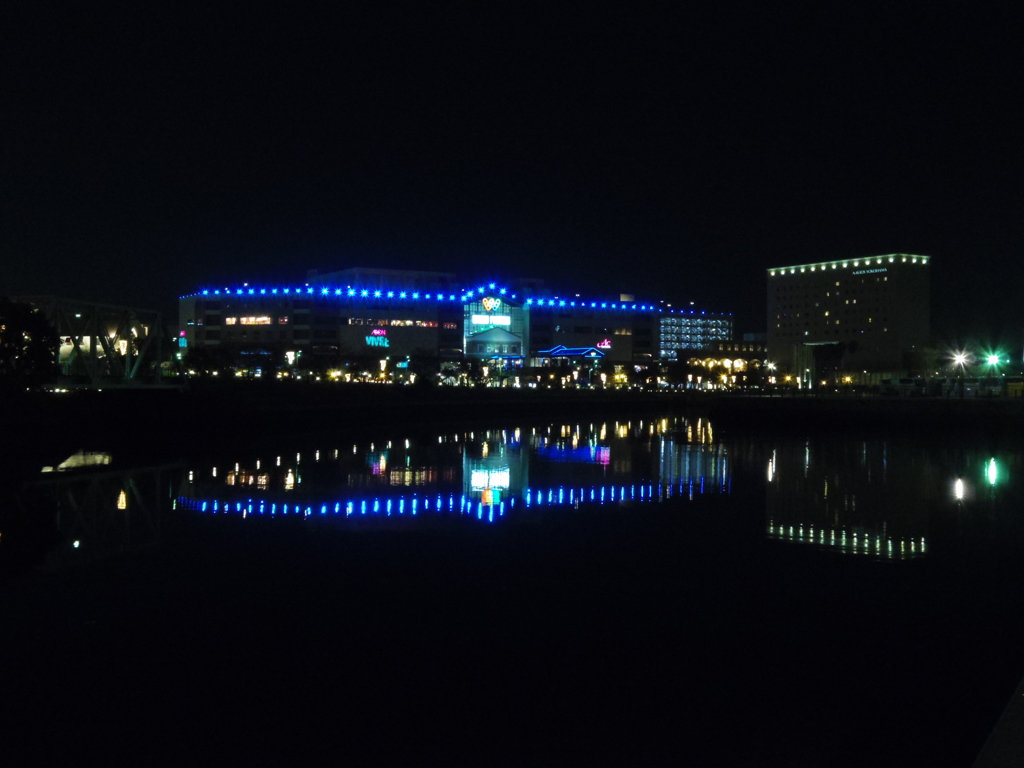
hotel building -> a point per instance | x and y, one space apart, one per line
872 314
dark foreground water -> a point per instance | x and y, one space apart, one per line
629 592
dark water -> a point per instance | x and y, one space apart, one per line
616 593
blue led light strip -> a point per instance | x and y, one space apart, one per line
351 292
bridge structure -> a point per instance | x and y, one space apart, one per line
101 344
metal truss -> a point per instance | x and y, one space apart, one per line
108 343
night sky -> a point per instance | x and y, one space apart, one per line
672 153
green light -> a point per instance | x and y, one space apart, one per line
992 359
992 471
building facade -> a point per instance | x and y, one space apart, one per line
856 316
400 314
689 330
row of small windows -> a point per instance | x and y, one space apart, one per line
668 322
261 320
395 322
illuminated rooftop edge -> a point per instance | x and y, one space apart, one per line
867 262
350 292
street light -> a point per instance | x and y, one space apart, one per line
961 359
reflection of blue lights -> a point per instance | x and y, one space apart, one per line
465 504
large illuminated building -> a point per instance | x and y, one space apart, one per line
855 316
376 313
693 330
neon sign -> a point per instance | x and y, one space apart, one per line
490 304
378 338
491 320
604 344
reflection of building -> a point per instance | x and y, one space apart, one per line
501 471
98 512
866 501
494 467
377 313
855 315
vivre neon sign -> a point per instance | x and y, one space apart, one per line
378 338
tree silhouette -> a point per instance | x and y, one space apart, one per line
28 346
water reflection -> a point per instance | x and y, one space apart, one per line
855 497
985 480
80 460
88 512
882 499
484 474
